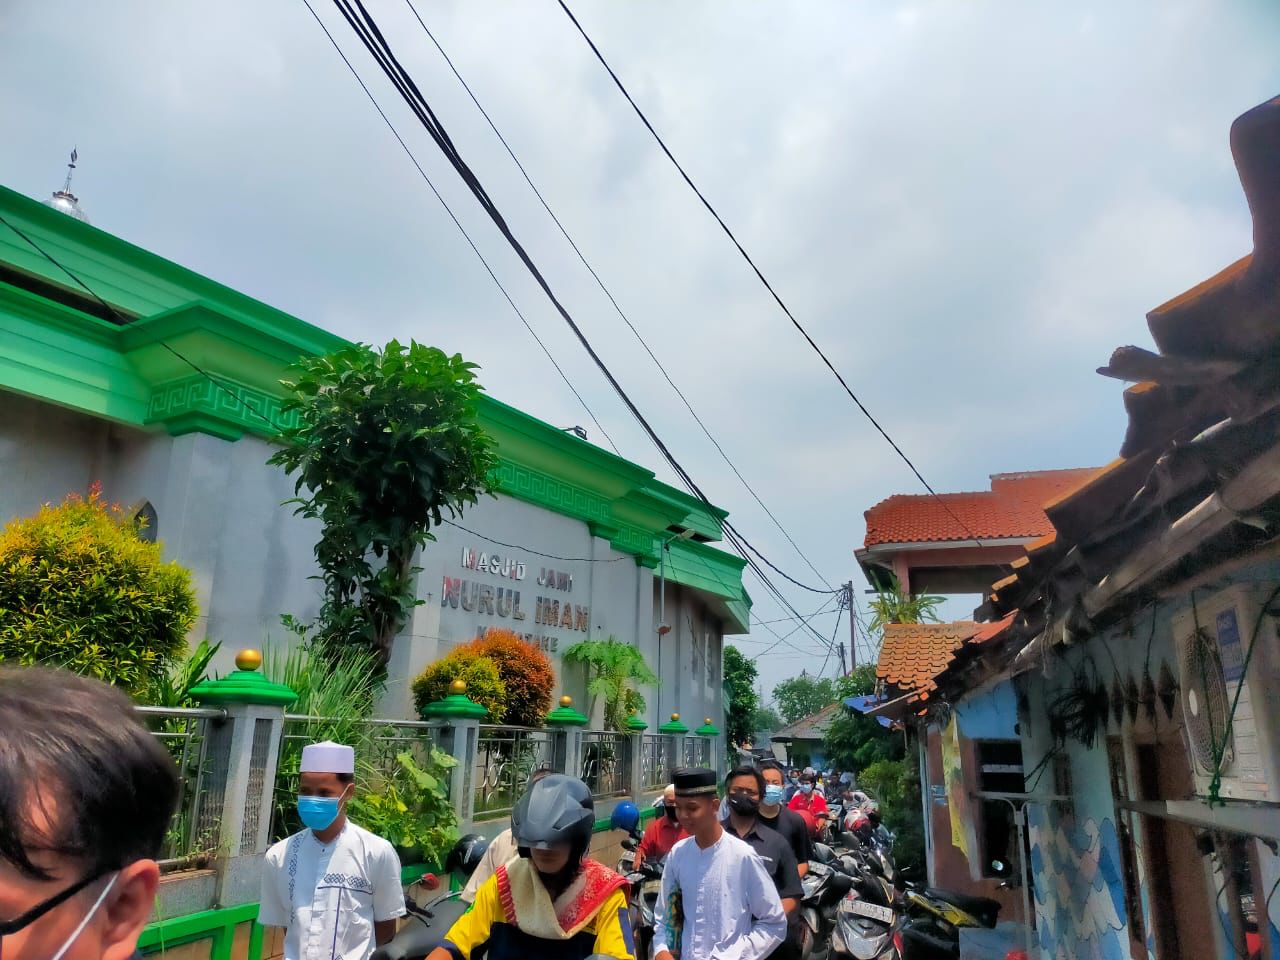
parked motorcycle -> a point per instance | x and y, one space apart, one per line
646 887
426 927
867 919
935 918
823 887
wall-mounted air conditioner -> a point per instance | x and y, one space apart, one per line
1211 663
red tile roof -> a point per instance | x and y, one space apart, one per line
914 655
1013 507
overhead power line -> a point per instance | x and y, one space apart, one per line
461 229
764 280
370 35
609 294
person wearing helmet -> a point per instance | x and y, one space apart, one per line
661 835
502 849
552 902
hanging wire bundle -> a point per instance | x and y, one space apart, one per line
1080 711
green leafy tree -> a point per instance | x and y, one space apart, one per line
740 696
80 589
387 442
892 605
766 720
614 670
800 696
853 740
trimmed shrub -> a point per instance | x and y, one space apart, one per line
526 672
80 589
484 686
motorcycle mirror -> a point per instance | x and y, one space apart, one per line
628 844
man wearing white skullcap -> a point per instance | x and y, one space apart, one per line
334 886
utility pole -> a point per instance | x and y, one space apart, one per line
853 628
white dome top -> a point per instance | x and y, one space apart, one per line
66 202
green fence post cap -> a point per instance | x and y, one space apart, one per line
565 716
244 685
456 706
635 724
708 729
673 725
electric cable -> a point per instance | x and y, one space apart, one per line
370 35
760 275
461 229
609 294
823 668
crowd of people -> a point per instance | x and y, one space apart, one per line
87 795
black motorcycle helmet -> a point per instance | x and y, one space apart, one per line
555 810
466 854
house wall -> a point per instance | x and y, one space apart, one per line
219 513
1077 859
989 714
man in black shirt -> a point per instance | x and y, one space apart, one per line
744 789
775 815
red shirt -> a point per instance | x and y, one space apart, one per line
814 802
659 837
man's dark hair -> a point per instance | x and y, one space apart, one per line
770 765
745 771
79 773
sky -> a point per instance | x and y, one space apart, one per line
968 205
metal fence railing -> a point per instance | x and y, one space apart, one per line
505 756
692 755
653 762
184 731
704 752
604 763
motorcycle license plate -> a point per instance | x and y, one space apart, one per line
872 910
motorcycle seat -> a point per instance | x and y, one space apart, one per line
983 909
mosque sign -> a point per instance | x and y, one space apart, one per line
494 588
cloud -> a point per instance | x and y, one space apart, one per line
968 206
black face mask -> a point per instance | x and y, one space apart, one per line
743 805
671 813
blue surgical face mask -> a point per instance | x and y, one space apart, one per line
318 813
773 794
806 788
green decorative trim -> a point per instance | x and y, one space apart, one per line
673 726
708 730
226 409
243 686
456 706
566 717
636 725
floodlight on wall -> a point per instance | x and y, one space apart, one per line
576 430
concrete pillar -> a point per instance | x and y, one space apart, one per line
239 787
566 725
460 738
